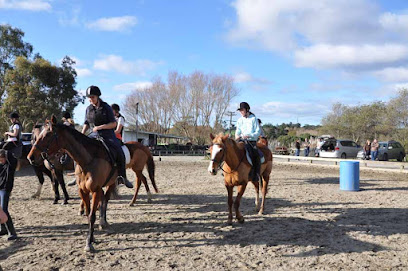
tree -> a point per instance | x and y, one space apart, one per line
37 89
11 46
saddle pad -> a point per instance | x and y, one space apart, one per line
250 160
127 154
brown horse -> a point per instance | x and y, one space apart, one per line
93 170
230 156
53 168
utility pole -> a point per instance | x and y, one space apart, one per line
137 122
230 114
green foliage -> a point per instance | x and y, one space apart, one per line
37 89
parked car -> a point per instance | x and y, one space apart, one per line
339 148
26 141
388 150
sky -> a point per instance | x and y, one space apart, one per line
291 59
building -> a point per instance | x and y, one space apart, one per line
152 139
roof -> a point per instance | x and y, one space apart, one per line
158 134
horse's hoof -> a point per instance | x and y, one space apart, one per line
149 201
260 212
229 222
89 248
241 219
81 213
55 201
65 202
35 196
131 204
104 226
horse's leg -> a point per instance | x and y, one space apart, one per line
55 186
84 201
40 176
60 178
264 191
104 224
102 211
241 190
256 185
96 197
138 184
230 190
149 195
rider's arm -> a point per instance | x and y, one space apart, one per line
85 128
256 131
111 118
119 126
14 133
110 125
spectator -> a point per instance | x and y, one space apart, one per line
319 147
297 145
8 165
313 145
307 147
367 149
261 129
374 149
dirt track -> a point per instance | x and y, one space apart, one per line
309 224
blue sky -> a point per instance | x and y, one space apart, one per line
292 59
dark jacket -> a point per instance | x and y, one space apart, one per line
96 116
7 173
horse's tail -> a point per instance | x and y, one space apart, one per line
150 169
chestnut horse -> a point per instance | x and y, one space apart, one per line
230 156
53 168
93 170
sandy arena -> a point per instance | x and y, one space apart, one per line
308 224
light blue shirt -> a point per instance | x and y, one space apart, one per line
248 127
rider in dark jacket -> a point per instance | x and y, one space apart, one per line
99 117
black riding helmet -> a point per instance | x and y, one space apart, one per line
244 105
14 115
93 90
115 107
66 115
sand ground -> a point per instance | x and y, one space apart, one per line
308 224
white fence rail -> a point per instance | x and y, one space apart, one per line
364 164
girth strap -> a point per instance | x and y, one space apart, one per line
113 168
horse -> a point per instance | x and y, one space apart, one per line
94 168
230 157
53 168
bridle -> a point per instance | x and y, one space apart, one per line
44 151
222 161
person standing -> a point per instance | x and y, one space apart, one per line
297 146
367 150
374 149
307 147
120 120
8 164
100 119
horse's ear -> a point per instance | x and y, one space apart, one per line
225 137
53 120
212 136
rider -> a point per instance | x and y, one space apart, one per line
14 133
99 117
248 130
120 121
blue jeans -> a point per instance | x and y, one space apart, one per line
4 201
297 152
307 150
374 155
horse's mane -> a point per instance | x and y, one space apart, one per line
218 140
78 136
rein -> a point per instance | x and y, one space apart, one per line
222 161
44 152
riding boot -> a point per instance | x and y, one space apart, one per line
3 230
121 163
256 166
11 230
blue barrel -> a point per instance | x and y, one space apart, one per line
350 175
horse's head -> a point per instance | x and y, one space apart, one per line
46 143
217 152
263 141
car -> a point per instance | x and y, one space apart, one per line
339 148
388 150
26 141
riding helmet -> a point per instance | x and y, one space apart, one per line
93 90
244 105
67 115
115 107
14 115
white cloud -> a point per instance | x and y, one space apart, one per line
113 23
337 56
244 77
132 86
118 64
32 5
83 72
283 25
395 22
397 74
